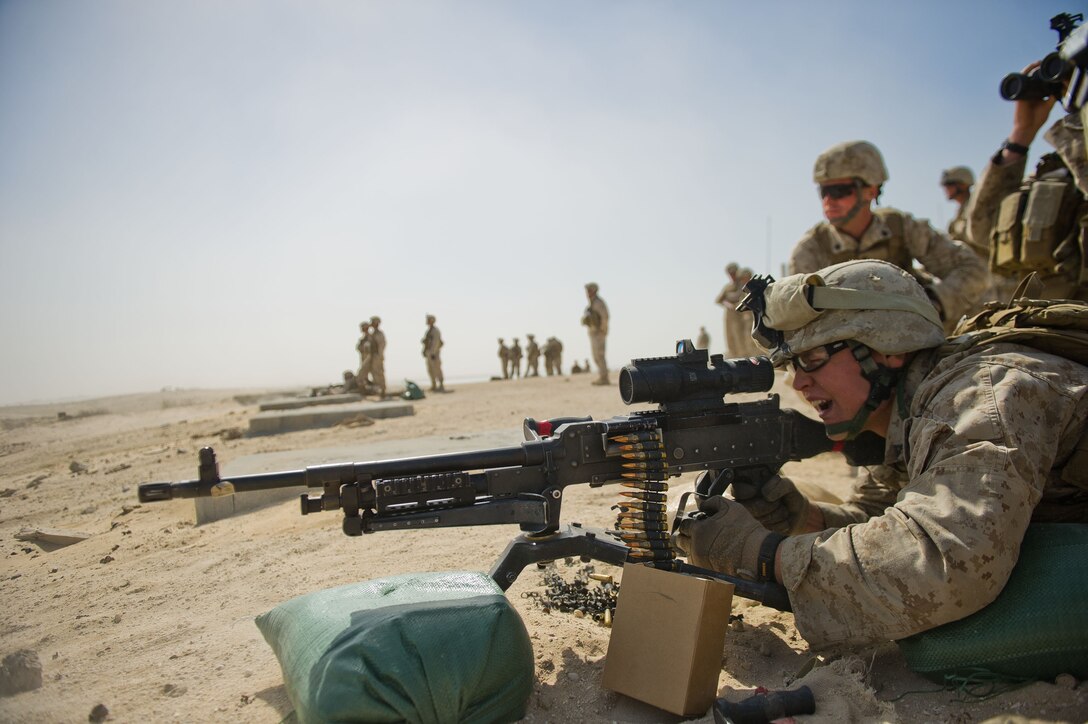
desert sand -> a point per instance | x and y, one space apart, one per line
151 616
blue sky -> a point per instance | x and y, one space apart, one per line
210 194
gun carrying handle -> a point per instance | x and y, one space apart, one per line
539 429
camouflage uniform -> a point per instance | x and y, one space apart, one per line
432 353
955 274
1070 137
933 535
596 319
1000 180
364 347
532 357
377 357
515 359
504 359
738 325
703 340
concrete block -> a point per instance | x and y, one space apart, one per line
294 403
308 418
210 509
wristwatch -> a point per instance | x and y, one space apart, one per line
1014 147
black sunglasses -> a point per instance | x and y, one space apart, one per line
837 191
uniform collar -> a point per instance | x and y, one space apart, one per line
919 367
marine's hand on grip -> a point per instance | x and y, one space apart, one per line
777 504
722 536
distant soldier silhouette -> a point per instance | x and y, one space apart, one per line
595 318
377 355
532 357
504 359
515 358
432 353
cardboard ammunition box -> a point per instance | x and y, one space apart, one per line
667 639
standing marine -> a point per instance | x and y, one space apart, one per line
364 347
532 357
515 358
504 359
377 356
595 319
432 353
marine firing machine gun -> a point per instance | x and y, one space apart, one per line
1067 64
693 429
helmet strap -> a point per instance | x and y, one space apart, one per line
882 382
856 208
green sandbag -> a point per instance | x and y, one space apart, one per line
426 647
1036 628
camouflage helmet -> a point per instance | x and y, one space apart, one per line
732 267
430 318
592 287
375 319
873 302
957 175
851 159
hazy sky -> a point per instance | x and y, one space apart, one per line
213 194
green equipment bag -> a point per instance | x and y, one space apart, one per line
1036 628
426 647
411 391
1057 326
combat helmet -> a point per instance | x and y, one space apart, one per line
851 159
957 175
869 304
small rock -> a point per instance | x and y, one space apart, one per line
98 713
21 671
117 618
573 675
173 691
1066 681
7 492
106 559
77 467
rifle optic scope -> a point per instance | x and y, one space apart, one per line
687 376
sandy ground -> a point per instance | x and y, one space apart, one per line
152 616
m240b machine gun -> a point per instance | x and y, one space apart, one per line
693 429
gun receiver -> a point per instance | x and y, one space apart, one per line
692 429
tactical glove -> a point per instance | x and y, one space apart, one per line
726 539
777 504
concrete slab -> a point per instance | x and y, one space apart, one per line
276 421
209 509
294 403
